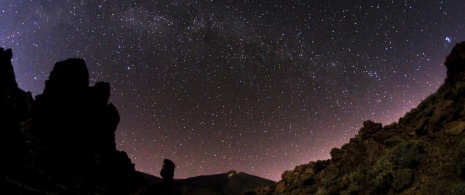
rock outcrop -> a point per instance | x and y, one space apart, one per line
422 153
62 142
14 108
455 63
167 173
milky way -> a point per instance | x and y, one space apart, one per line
252 86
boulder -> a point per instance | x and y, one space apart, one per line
454 128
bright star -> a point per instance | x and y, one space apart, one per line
448 39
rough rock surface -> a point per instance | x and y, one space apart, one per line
422 153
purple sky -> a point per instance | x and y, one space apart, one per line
240 85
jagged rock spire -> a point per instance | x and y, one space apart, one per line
455 63
7 75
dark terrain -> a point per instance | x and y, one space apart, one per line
63 142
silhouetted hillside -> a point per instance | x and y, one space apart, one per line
422 153
230 183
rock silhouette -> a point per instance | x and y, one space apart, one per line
455 63
14 108
65 138
167 171
7 76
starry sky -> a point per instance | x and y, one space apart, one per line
248 85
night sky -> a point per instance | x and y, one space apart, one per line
253 86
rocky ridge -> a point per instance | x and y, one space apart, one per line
230 183
422 153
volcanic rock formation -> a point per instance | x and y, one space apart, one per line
63 141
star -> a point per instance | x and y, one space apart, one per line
251 86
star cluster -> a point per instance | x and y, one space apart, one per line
252 86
